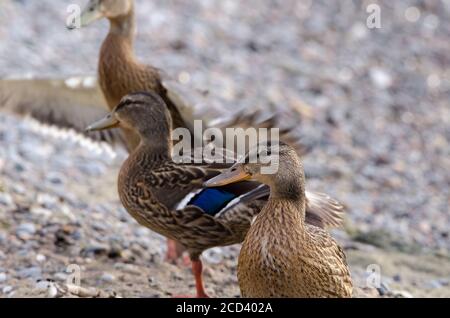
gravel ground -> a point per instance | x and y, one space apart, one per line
375 108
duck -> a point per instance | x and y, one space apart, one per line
119 71
283 256
170 198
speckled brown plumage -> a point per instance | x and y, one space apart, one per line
283 256
120 73
151 185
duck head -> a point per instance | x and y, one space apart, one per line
110 9
144 113
275 164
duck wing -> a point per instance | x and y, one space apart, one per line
325 259
323 211
54 102
195 104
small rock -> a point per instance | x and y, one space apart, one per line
28 228
434 284
107 277
31 272
128 268
397 278
400 294
43 284
48 287
2 277
62 277
6 199
153 282
95 250
384 289
213 256
381 78
47 201
7 289
41 258
52 291
42 212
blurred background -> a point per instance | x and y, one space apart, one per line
373 106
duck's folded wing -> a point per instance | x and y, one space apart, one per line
54 102
327 259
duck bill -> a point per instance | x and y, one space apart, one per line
233 175
108 122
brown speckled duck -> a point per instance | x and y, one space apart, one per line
119 71
170 198
282 255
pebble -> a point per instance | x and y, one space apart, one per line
41 258
48 287
213 255
401 294
28 228
107 277
26 231
128 268
381 78
6 200
30 272
7 289
62 277
2 278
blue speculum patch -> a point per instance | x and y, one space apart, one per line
212 200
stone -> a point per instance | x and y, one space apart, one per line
30 272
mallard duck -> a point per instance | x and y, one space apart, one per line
282 255
170 198
119 71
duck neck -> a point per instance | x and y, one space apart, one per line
286 205
158 150
143 158
124 27
120 39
